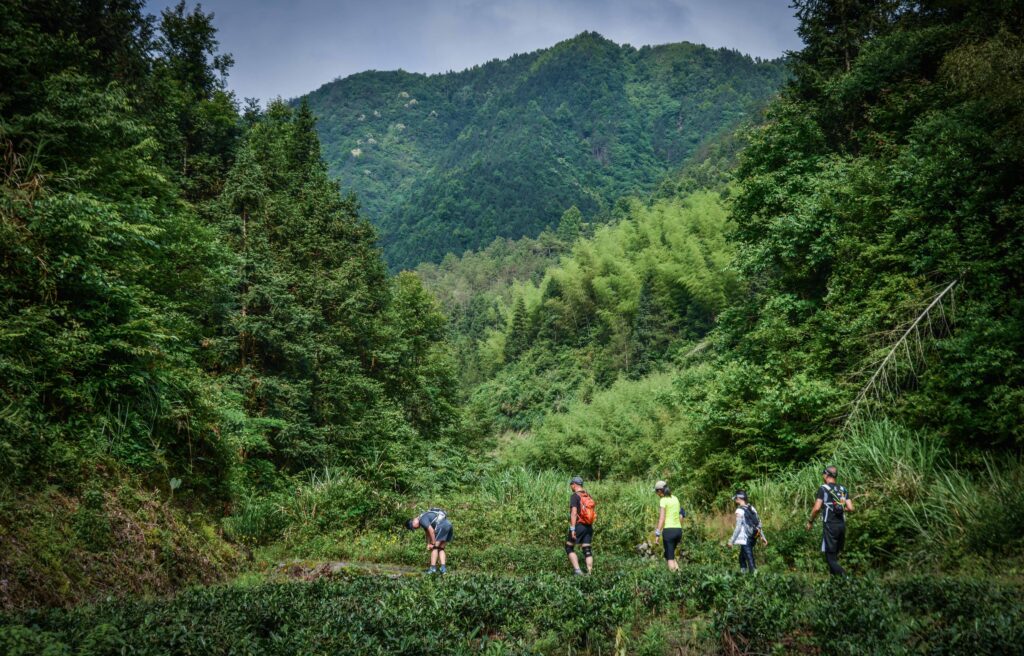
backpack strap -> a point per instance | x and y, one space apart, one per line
439 516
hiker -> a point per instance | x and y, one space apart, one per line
837 503
581 526
748 530
670 527
438 527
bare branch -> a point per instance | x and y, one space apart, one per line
909 348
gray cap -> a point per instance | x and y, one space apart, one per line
576 480
660 485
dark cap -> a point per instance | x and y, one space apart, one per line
576 480
830 470
408 525
740 494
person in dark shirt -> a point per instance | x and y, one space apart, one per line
438 527
836 503
581 531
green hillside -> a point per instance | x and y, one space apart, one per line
218 410
446 163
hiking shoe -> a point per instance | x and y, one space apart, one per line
578 572
443 570
432 570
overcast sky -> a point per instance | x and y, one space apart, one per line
288 48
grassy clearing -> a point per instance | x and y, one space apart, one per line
510 590
914 507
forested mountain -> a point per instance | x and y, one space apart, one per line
865 259
189 307
446 163
206 369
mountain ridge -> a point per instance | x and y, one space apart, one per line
447 162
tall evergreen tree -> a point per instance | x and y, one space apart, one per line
569 226
332 361
518 339
188 102
106 273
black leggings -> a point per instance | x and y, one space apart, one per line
670 538
832 560
747 556
833 539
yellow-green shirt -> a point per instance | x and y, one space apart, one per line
671 506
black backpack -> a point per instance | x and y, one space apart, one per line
752 519
835 500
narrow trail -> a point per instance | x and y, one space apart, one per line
310 570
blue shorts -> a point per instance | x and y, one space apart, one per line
443 532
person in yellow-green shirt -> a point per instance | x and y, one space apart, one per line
670 528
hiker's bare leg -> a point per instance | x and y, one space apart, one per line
433 557
441 557
573 558
590 557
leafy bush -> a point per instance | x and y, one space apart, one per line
627 611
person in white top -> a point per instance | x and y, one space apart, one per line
745 534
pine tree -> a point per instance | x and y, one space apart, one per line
188 102
569 226
518 336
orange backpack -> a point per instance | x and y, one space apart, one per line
587 511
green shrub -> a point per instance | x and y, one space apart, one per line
634 610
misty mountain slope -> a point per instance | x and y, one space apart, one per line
445 163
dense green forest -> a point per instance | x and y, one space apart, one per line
190 305
212 390
765 305
446 163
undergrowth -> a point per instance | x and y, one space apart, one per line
640 609
58 549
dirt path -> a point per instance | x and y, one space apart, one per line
307 570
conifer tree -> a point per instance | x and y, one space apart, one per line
569 226
518 336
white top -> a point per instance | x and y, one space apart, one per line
740 533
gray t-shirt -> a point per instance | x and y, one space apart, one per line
428 518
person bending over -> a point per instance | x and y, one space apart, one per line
438 527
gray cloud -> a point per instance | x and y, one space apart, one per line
289 48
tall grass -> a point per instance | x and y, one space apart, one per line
974 512
912 499
326 500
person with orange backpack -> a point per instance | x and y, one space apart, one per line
581 526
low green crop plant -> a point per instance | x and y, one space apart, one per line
631 609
